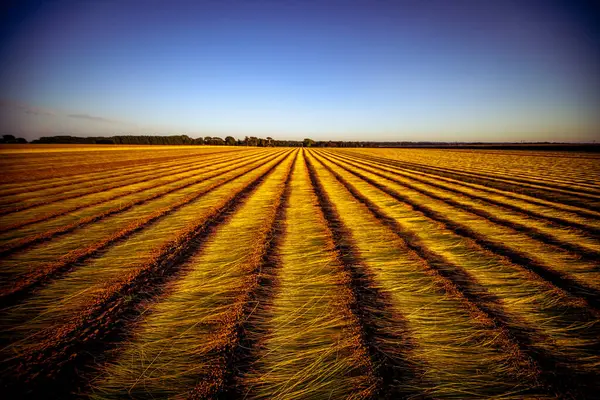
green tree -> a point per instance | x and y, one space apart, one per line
308 142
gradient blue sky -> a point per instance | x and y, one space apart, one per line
357 70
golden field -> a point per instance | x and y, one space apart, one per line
297 273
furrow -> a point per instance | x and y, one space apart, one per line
495 197
260 298
25 238
50 268
370 306
513 307
35 199
459 351
86 168
43 203
582 246
547 195
80 324
310 343
34 215
430 171
202 314
55 167
557 166
494 174
560 279
88 178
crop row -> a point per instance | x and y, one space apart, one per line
309 274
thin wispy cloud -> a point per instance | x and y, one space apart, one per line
30 122
94 118
26 108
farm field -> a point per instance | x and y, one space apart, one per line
298 273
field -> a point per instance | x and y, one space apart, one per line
279 273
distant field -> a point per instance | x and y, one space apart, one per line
278 273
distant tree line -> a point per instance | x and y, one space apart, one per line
174 140
270 142
207 140
186 140
121 139
11 139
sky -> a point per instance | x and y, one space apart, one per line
422 70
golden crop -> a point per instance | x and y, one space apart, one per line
276 273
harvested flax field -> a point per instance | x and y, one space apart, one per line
288 273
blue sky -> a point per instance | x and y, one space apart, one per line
356 70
